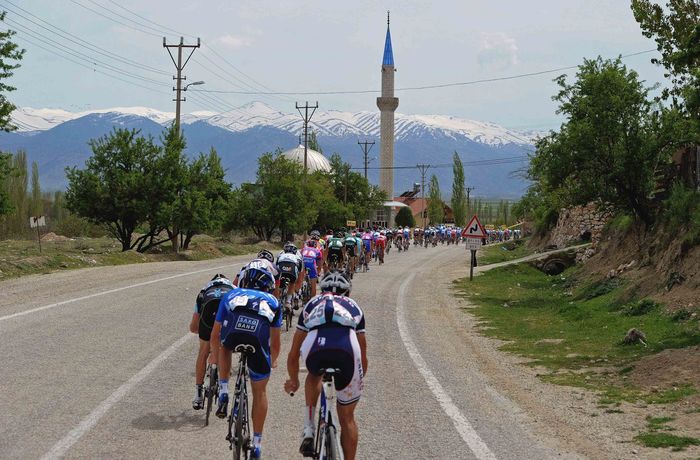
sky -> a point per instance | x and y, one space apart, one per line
110 53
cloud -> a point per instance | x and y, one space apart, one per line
497 51
234 41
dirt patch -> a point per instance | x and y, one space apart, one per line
51 236
668 368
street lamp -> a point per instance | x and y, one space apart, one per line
194 83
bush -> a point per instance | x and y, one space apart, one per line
404 218
73 226
639 308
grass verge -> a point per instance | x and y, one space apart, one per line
22 257
575 329
657 435
504 252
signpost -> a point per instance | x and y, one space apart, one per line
37 222
474 232
351 224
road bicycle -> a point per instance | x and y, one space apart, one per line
327 442
287 312
306 289
211 389
239 420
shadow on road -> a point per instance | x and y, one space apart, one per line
184 421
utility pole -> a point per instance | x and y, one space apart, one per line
179 66
423 168
366 147
468 189
306 118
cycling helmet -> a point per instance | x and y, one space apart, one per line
315 234
312 243
265 254
290 248
258 279
340 234
219 276
337 283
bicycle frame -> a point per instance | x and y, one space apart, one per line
327 434
239 417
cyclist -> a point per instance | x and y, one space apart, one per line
367 243
290 263
330 333
336 249
350 244
205 309
249 314
360 249
313 258
380 246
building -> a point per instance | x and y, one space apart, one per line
315 161
419 208
387 104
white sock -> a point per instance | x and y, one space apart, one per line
223 386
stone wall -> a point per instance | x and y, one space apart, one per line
579 223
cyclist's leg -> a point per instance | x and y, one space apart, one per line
348 429
201 365
259 408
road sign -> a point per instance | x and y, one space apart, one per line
351 223
474 243
35 222
474 229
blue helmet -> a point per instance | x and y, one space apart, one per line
258 279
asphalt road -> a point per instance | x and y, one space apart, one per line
98 363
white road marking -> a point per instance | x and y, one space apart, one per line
464 428
62 446
111 291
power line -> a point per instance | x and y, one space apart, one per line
64 34
415 88
115 20
77 54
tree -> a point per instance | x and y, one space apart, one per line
204 202
611 144
404 218
5 169
459 198
10 55
36 207
114 189
436 207
353 192
313 142
16 222
676 30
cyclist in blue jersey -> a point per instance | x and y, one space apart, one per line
330 334
250 315
202 322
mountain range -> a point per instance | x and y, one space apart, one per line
56 139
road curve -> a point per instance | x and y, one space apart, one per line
98 363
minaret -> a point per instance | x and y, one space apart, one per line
387 104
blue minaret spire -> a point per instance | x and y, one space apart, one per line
388 53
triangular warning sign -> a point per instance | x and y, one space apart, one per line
474 229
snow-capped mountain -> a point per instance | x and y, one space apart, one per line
329 123
56 139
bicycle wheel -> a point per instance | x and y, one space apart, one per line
209 396
241 433
332 445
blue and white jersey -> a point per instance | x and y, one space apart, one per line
329 309
262 303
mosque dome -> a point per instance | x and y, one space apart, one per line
315 161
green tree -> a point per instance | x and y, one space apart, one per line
36 207
15 223
353 191
114 188
313 142
5 169
611 144
283 200
10 55
404 218
204 202
436 207
459 197
676 30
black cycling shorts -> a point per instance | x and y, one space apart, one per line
350 250
206 319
